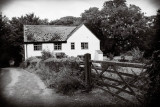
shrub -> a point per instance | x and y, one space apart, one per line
61 74
153 93
137 55
30 62
56 65
60 55
68 81
46 55
111 56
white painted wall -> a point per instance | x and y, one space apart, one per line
30 52
83 34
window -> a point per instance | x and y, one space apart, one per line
38 47
72 46
57 46
84 45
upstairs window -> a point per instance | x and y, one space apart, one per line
84 45
57 46
72 45
38 47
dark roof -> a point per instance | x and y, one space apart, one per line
48 33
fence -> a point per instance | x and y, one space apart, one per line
123 82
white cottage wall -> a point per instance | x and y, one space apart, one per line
83 34
30 52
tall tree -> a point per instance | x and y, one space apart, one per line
14 39
4 32
125 25
119 27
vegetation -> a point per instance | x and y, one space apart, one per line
61 74
119 27
137 55
153 95
46 55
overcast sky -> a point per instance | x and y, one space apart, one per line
55 9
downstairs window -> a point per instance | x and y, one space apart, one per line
37 47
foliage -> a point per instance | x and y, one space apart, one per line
56 65
60 55
111 56
137 54
12 37
61 74
46 54
5 48
31 61
68 81
153 95
118 26
68 21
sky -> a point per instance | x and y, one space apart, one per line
55 9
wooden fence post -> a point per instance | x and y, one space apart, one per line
88 71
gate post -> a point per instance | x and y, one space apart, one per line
87 71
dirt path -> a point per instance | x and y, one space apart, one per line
24 89
21 88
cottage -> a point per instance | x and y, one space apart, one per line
71 40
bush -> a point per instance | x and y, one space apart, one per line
62 74
46 55
56 65
60 55
137 55
110 56
153 93
29 62
68 81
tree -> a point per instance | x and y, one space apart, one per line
125 25
68 21
4 31
13 36
118 26
153 95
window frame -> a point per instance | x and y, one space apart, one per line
37 46
72 46
57 46
84 45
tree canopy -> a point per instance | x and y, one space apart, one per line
120 27
68 21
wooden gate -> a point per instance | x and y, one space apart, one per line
131 83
